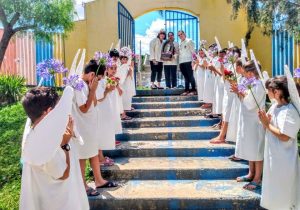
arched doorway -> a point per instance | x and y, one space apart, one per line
174 20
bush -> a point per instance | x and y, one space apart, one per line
12 121
12 88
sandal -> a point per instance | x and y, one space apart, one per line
91 192
108 184
185 94
233 158
192 94
161 88
255 186
108 162
118 143
243 179
206 106
153 87
126 118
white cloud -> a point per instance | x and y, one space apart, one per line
150 34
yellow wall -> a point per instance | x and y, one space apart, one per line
214 16
77 39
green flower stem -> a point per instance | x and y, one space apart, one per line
254 98
234 71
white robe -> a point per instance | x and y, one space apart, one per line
281 179
114 99
233 122
209 81
41 188
250 137
87 124
218 90
200 77
106 126
128 86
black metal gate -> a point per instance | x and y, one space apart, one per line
126 28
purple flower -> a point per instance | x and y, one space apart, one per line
103 59
297 73
247 83
48 68
74 81
194 55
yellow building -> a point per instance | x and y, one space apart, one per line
100 26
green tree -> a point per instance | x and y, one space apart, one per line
43 17
269 14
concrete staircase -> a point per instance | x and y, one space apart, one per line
166 161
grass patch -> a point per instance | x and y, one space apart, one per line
12 121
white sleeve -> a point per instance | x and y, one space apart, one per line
191 46
151 49
289 122
80 98
100 92
57 165
259 95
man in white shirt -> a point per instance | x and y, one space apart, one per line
170 53
186 50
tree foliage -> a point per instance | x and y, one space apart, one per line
43 17
270 15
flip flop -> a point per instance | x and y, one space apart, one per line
108 184
118 143
108 162
184 94
257 186
243 179
91 192
233 158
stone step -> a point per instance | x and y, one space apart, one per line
142 99
179 148
168 133
171 168
177 195
167 105
166 112
185 121
163 92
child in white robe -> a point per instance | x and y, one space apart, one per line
51 176
106 136
86 118
281 177
127 84
199 70
250 134
226 69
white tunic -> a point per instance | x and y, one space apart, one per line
106 126
200 78
128 86
155 49
209 81
41 188
281 178
114 99
87 124
186 50
250 137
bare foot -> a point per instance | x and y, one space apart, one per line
217 140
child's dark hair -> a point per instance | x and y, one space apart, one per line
239 62
114 53
279 83
38 100
92 66
237 50
250 67
121 57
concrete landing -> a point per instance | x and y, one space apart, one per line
163 98
177 194
167 105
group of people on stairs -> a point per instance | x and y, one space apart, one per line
61 134
235 90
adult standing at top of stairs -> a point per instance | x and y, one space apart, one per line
186 50
156 63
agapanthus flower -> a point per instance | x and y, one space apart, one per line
297 73
194 56
101 58
126 51
248 84
74 81
231 57
48 68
